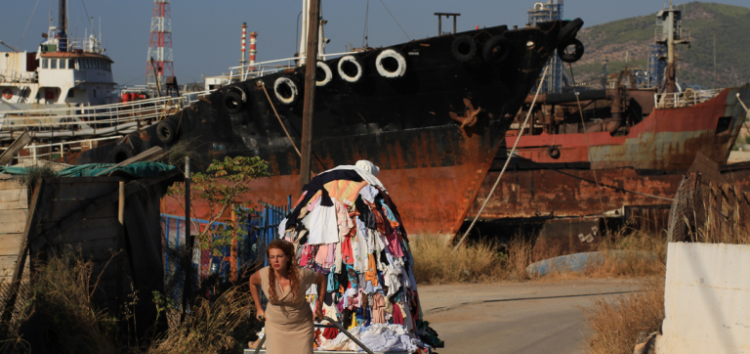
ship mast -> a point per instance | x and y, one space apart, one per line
671 22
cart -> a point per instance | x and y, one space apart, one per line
333 324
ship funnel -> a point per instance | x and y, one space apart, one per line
62 24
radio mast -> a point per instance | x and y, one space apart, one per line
160 46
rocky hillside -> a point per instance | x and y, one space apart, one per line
632 36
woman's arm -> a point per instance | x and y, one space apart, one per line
254 285
321 283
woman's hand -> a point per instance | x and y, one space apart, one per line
319 312
260 314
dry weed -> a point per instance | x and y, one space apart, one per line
436 262
617 323
212 327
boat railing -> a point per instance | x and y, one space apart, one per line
251 71
686 98
83 117
57 150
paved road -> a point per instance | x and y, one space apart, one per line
505 318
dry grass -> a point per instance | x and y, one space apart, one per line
635 254
213 327
59 316
617 322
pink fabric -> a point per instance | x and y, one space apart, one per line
378 308
322 254
330 257
344 220
346 250
394 246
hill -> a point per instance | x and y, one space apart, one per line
696 62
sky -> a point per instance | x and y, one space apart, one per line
206 33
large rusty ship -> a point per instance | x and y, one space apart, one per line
431 113
618 153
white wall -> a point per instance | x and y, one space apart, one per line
707 299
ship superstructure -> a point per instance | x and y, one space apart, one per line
61 73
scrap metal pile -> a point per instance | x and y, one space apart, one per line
346 227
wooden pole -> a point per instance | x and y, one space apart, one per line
121 204
309 99
187 263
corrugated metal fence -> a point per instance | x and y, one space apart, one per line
227 262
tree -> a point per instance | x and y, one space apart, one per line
221 187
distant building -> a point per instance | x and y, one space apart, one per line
541 12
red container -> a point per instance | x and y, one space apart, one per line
125 97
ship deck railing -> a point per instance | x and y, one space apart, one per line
55 151
259 69
101 117
686 98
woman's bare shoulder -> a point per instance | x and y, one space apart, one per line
257 277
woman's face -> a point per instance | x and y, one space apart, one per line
277 259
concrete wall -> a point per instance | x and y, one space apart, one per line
707 299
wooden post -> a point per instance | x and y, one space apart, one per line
121 204
190 276
309 99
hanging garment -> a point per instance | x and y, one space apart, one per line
359 251
388 213
321 254
330 256
378 308
323 225
345 222
379 223
362 172
344 191
365 213
346 251
372 270
394 246
317 185
369 193
398 316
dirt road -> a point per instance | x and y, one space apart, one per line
505 318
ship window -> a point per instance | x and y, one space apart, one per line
71 64
45 63
94 93
53 64
71 93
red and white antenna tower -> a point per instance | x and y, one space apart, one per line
160 46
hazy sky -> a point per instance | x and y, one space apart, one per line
206 33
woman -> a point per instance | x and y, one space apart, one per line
289 320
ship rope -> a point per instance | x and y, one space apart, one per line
263 85
27 25
507 161
394 18
588 146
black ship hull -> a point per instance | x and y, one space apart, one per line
433 131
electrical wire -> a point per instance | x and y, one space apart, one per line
507 161
88 17
27 25
367 25
394 18
588 146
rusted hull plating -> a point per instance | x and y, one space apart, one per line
573 193
668 139
663 145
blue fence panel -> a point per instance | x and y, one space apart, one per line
260 229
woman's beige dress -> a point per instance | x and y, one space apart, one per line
289 322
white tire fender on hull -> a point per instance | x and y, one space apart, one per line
328 74
391 73
350 59
285 90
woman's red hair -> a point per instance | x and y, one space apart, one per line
292 269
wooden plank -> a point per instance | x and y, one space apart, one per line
12 221
12 183
7 264
14 199
7 156
10 244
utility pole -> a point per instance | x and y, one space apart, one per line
309 99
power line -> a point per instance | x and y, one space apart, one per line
27 25
394 18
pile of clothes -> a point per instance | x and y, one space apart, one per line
346 227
